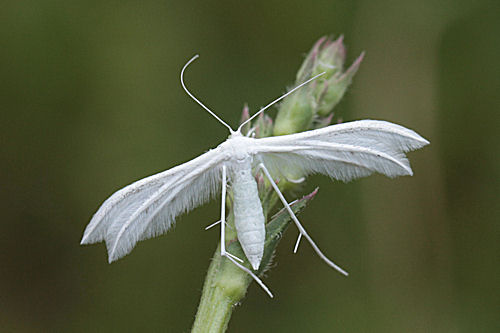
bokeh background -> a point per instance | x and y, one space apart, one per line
90 101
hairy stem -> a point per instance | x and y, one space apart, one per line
226 285
216 304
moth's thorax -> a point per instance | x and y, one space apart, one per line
237 149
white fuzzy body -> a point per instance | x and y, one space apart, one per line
248 215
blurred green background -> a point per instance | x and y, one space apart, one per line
90 101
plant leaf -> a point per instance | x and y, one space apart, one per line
274 230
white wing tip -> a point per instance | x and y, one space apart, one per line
87 240
421 140
90 235
113 256
415 136
407 168
90 238
116 252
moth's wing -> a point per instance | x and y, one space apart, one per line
148 207
344 151
123 200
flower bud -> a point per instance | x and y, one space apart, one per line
307 67
245 115
335 87
263 126
296 113
330 58
313 104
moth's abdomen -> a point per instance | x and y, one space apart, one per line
248 215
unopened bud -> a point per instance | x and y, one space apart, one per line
245 115
335 87
296 113
263 126
330 58
307 67
313 104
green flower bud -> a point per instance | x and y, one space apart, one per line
307 67
263 126
313 104
245 115
335 87
296 113
330 58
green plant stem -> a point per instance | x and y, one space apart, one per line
217 300
226 284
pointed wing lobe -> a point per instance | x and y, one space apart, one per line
148 207
344 151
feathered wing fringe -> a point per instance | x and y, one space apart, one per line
157 214
344 152
149 206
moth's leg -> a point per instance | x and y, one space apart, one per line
296 181
249 272
299 238
223 252
297 243
215 223
251 132
297 223
233 256
212 225
223 213
223 218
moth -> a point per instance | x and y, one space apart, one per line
148 207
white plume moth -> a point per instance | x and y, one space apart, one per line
148 207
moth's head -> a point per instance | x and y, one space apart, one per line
236 146
235 134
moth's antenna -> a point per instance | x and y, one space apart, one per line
279 99
197 100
